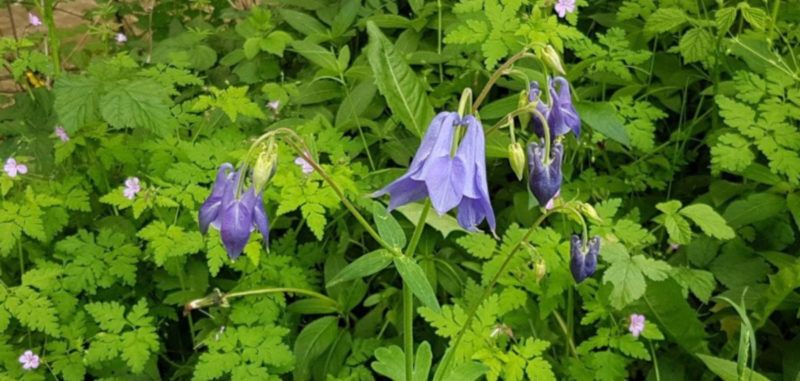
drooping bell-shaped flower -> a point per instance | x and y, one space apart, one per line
545 175
561 115
451 178
210 210
583 260
236 216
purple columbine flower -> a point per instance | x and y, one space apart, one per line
121 38
132 187
637 324
29 360
62 134
545 177
449 180
561 114
304 165
34 20
12 168
236 216
563 7
583 260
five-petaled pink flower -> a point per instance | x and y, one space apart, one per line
563 7
12 168
62 134
29 360
132 187
304 165
637 324
121 38
34 20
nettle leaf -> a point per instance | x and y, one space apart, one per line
665 19
166 242
138 104
397 82
697 45
709 221
77 101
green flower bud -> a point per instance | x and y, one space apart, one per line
266 164
516 157
589 211
539 270
552 59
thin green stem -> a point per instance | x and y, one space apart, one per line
495 76
276 290
347 204
52 35
447 360
546 129
655 361
566 333
570 318
408 296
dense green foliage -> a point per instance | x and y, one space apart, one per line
688 168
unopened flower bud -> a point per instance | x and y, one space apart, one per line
589 211
516 157
265 165
540 270
552 59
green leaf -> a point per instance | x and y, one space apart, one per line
363 266
252 46
707 219
312 341
404 92
696 45
445 224
33 310
318 55
414 277
390 362
388 227
355 103
727 371
138 104
756 16
302 22
77 101
604 119
478 245
275 42
666 305
756 207
665 19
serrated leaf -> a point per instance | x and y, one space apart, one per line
138 104
696 45
479 245
403 91
665 19
77 101
707 219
